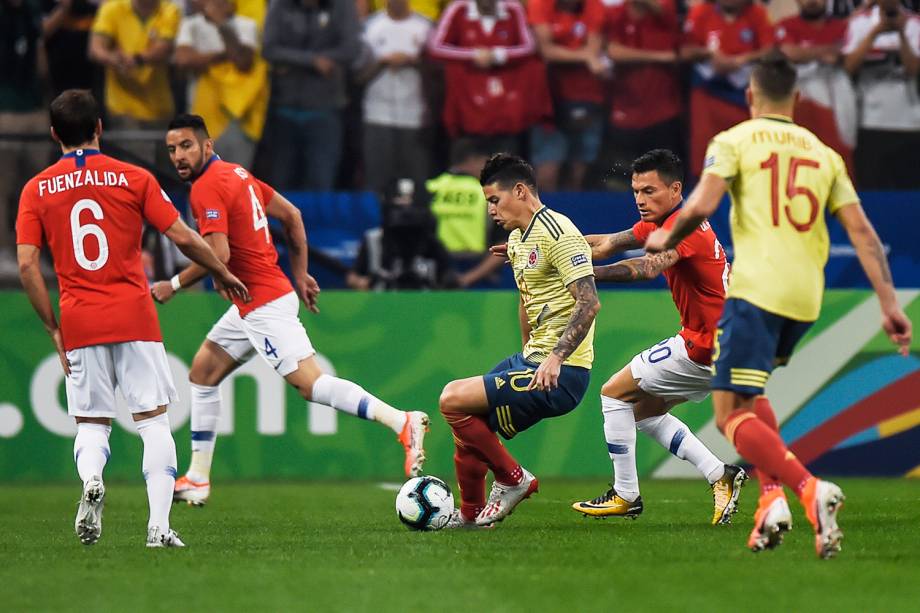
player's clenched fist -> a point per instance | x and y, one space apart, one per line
162 291
657 241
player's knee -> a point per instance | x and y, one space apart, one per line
609 389
449 401
201 376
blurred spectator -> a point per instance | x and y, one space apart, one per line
827 101
496 87
231 89
394 105
882 51
568 33
644 37
427 8
464 226
66 26
310 45
133 39
723 38
21 112
405 253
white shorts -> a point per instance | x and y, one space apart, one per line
273 330
137 368
666 371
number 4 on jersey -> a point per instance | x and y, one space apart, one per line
259 220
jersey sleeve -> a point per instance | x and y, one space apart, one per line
540 12
594 16
571 256
106 22
766 36
721 157
158 209
186 36
265 190
693 26
211 214
28 224
842 192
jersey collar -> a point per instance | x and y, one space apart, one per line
80 155
781 118
673 212
213 158
532 222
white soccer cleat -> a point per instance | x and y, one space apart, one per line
195 494
156 538
458 522
771 521
823 500
504 498
88 523
412 438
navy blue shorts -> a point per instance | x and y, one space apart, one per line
513 408
750 342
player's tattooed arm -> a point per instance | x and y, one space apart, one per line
637 269
587 305
604 246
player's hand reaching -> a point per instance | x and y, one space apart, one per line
307 290
59 346
162 291
547 376
657 241
500 251
230 287
898 328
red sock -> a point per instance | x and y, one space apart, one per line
471 476
764 412
761 446
474 433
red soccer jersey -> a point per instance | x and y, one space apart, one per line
644 94
226 198
706 26
798 31
90 210
698 284
571 81
462 30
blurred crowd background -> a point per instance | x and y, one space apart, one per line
406 98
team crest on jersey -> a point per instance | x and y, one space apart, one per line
533 258
211 214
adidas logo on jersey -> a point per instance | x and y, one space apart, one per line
499 382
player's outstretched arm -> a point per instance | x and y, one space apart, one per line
34 285
306 286
604 246
196 249
702 203
586 308
643 268
871 254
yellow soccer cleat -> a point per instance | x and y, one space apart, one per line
725 493
610 504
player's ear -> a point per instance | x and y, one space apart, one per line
676 188
98 127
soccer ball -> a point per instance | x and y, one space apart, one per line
424 503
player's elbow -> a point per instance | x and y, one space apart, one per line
592 306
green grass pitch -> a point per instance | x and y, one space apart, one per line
339 547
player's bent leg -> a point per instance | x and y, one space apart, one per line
159 466
211 365
343 395
91 451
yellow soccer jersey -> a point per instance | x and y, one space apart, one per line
546 257
781 179
144 93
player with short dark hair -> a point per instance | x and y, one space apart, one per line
232 208
675 370
781 178
90 209
552 267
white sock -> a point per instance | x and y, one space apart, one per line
205 414
674 435
159 468
620 432
343 395
91 449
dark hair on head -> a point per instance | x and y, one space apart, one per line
74 115
663 161
187 120
775 76
507 170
